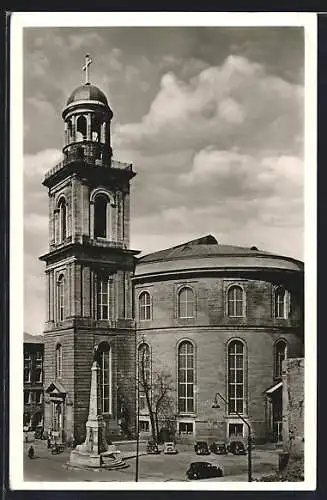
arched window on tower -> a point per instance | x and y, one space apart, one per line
62 220
101 215
69 132
96 128
105 376
280 356
235 377
186 377
81 129
61 297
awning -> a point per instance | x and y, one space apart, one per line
274 388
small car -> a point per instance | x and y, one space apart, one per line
170 448
152 448
237 448
201 448
219 448
201 470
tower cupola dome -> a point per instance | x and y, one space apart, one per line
87 116
87 92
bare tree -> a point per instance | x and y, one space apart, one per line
156 388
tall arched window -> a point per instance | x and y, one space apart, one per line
58 361
100 216
235 377
186 377
62 220
280 356
144 374
61 297
81 128
145 306
69 132
235 301
103 297
186 303
281 303
105 376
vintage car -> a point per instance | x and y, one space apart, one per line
169 448
218 448
152 448
201 448
201 470
237 448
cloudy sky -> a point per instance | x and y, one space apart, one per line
212 119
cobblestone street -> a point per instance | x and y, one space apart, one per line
48 467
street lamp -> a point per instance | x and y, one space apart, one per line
216 405
138 411
137 433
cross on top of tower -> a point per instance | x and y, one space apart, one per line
85 68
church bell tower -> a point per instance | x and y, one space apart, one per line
88 272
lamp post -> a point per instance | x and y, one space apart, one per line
137 433
216 405
138 411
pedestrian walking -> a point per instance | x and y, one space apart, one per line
31 452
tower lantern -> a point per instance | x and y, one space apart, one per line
87 116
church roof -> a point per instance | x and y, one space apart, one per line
201 247
87 92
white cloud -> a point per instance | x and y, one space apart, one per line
41 162
236 103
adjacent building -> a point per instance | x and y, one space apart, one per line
33 381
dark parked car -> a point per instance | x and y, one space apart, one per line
219 448
201 448
201 470
237 448
152 448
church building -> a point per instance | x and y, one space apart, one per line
215 320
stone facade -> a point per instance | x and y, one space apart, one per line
293 406
209 270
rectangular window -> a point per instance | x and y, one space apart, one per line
27 397
144 426
38 375
235 430
103 308
38 398
38 356
185 428
27 367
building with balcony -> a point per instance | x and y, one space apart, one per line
33 381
